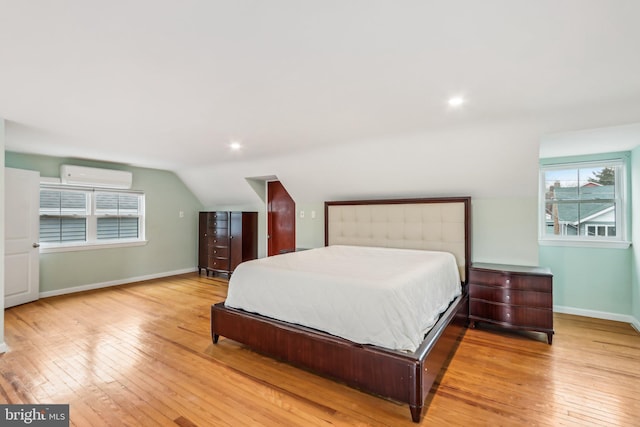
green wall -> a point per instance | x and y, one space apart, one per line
310 230
172 241
591 280
3 346
504 230
635 194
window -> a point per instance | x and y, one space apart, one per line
583 202
601 230
117 215
63 216
83 218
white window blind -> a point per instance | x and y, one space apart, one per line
63 216
76 217
118 215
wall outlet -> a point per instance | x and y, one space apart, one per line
181 214
301 214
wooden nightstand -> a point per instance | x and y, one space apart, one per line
511 296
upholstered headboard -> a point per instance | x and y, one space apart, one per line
441 224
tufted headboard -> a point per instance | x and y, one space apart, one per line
438 224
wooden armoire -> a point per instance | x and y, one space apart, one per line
226 239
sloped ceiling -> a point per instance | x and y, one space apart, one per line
330 96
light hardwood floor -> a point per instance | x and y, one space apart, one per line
141 354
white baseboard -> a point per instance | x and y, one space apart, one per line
3 348
113 283
626 318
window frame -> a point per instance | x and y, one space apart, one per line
621 201
92 241
598 227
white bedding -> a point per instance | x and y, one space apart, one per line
368 295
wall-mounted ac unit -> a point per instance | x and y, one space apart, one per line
94 177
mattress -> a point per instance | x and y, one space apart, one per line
369 295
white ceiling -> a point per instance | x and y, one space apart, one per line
612 139
168 84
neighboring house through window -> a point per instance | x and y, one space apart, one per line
584 202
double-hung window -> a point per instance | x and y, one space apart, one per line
583 203
117 215
81 218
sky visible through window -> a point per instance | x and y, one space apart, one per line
570 177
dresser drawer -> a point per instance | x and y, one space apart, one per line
221 216
218 241
220 233
511 280
220 251
219 263
526 317
218 224
218 220
511 296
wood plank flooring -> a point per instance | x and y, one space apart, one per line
141 355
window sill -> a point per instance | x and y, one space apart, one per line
90 246
607 244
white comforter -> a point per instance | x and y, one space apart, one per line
380 296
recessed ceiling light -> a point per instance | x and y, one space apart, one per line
456 101
235 145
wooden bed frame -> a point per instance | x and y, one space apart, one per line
401 376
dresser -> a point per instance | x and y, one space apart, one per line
510 296
226 239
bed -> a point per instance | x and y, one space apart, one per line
403 371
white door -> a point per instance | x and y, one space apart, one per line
21 233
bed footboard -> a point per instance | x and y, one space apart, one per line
405 377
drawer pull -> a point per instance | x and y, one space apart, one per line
508 314
508 281
508 297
